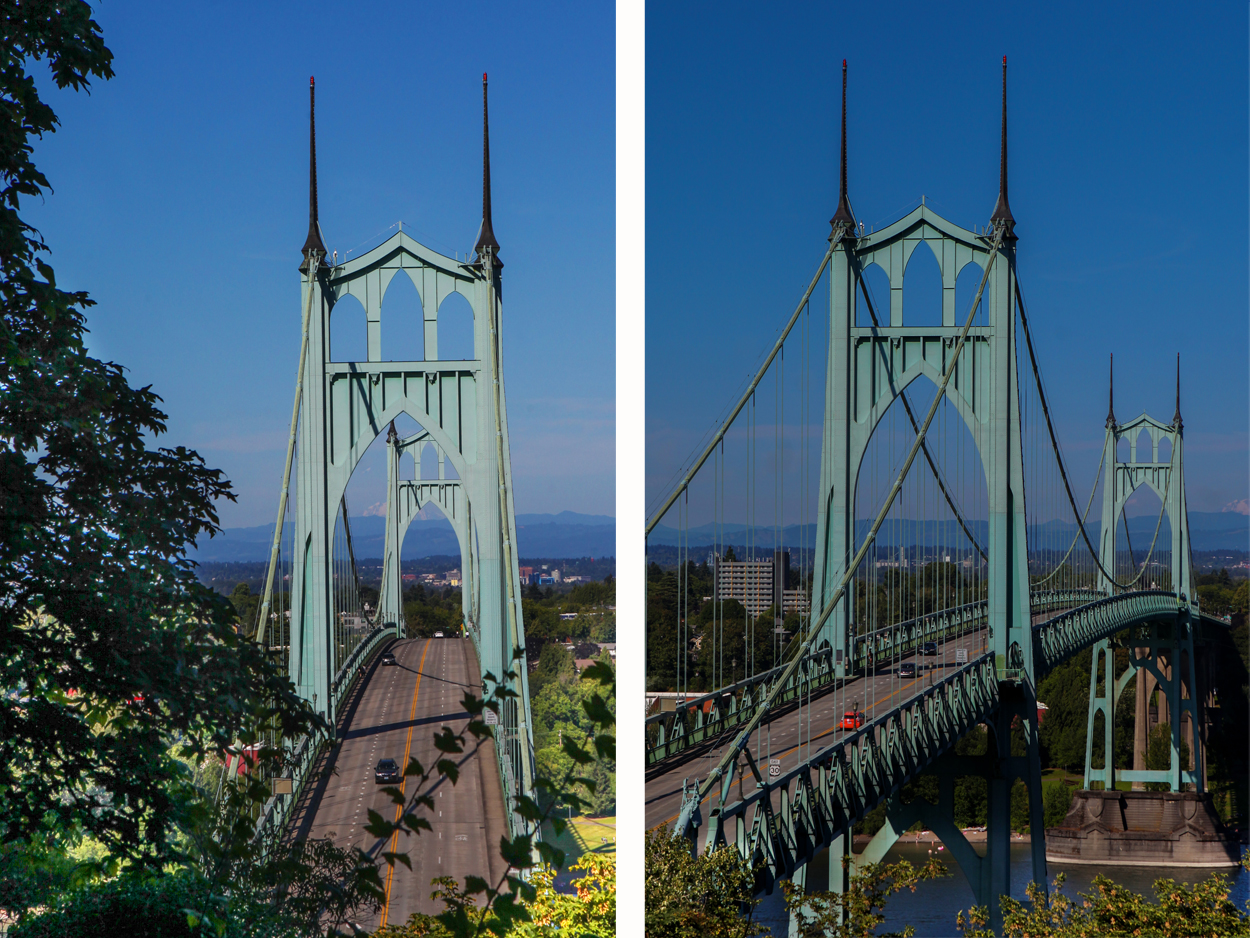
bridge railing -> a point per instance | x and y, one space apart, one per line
703 717
785 821
302 753
1059 638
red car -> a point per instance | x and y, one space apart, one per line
851 720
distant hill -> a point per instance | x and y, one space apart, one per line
567 534
1209 530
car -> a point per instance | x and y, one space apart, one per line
387 772
907 669
929 649
438 634
388 657
851 720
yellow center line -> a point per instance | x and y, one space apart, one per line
787 752
390 870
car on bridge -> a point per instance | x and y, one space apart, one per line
388 657
907 669
387 772
851 720
438 634
929 649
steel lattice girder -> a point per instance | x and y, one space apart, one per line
704 717
1059 638
845 780
841 783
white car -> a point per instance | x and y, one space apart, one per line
438 634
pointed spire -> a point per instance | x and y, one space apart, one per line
843 217
391 435
486 234
313 244
1002 211
1176 418
1111 394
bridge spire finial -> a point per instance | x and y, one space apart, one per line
1176 418
1111 394
486 234
843 217
1002 211
391 435
313 244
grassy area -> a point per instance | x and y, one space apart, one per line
584 835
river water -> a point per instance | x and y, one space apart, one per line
933 906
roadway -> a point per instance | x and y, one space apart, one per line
394 713
802 731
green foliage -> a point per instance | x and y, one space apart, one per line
1056 802
860 909
1178 911
429 611
696 897
110 648
139 905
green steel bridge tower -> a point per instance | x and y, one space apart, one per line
344 406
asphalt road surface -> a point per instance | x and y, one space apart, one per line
804 731
395 713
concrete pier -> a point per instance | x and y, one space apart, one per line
1142 828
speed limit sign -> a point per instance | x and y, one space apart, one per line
774 768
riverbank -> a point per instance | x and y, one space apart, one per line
974 835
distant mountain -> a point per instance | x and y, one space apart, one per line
567 534
1209 530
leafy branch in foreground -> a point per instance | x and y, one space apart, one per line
860 910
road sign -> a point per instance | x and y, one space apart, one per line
961 656
774 768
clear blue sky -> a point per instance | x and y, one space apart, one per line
180 204
1128 151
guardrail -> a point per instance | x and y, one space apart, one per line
842 782
276 811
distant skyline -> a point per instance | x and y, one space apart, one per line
1128 180
180 193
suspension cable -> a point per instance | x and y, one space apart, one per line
732 753
1063 472
290 454
876 325
668 502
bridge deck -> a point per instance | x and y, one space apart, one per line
398 709
877 694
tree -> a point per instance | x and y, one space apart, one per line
109 646
860 909
1110 909
690 895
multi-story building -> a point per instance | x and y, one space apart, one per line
758 584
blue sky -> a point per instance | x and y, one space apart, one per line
180 204
1128 169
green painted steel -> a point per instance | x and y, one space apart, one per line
786 821
704 717
460 405
1160 644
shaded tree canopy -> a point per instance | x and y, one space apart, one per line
110 649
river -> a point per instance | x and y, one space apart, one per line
933 906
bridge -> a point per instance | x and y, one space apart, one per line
312 619
952 567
